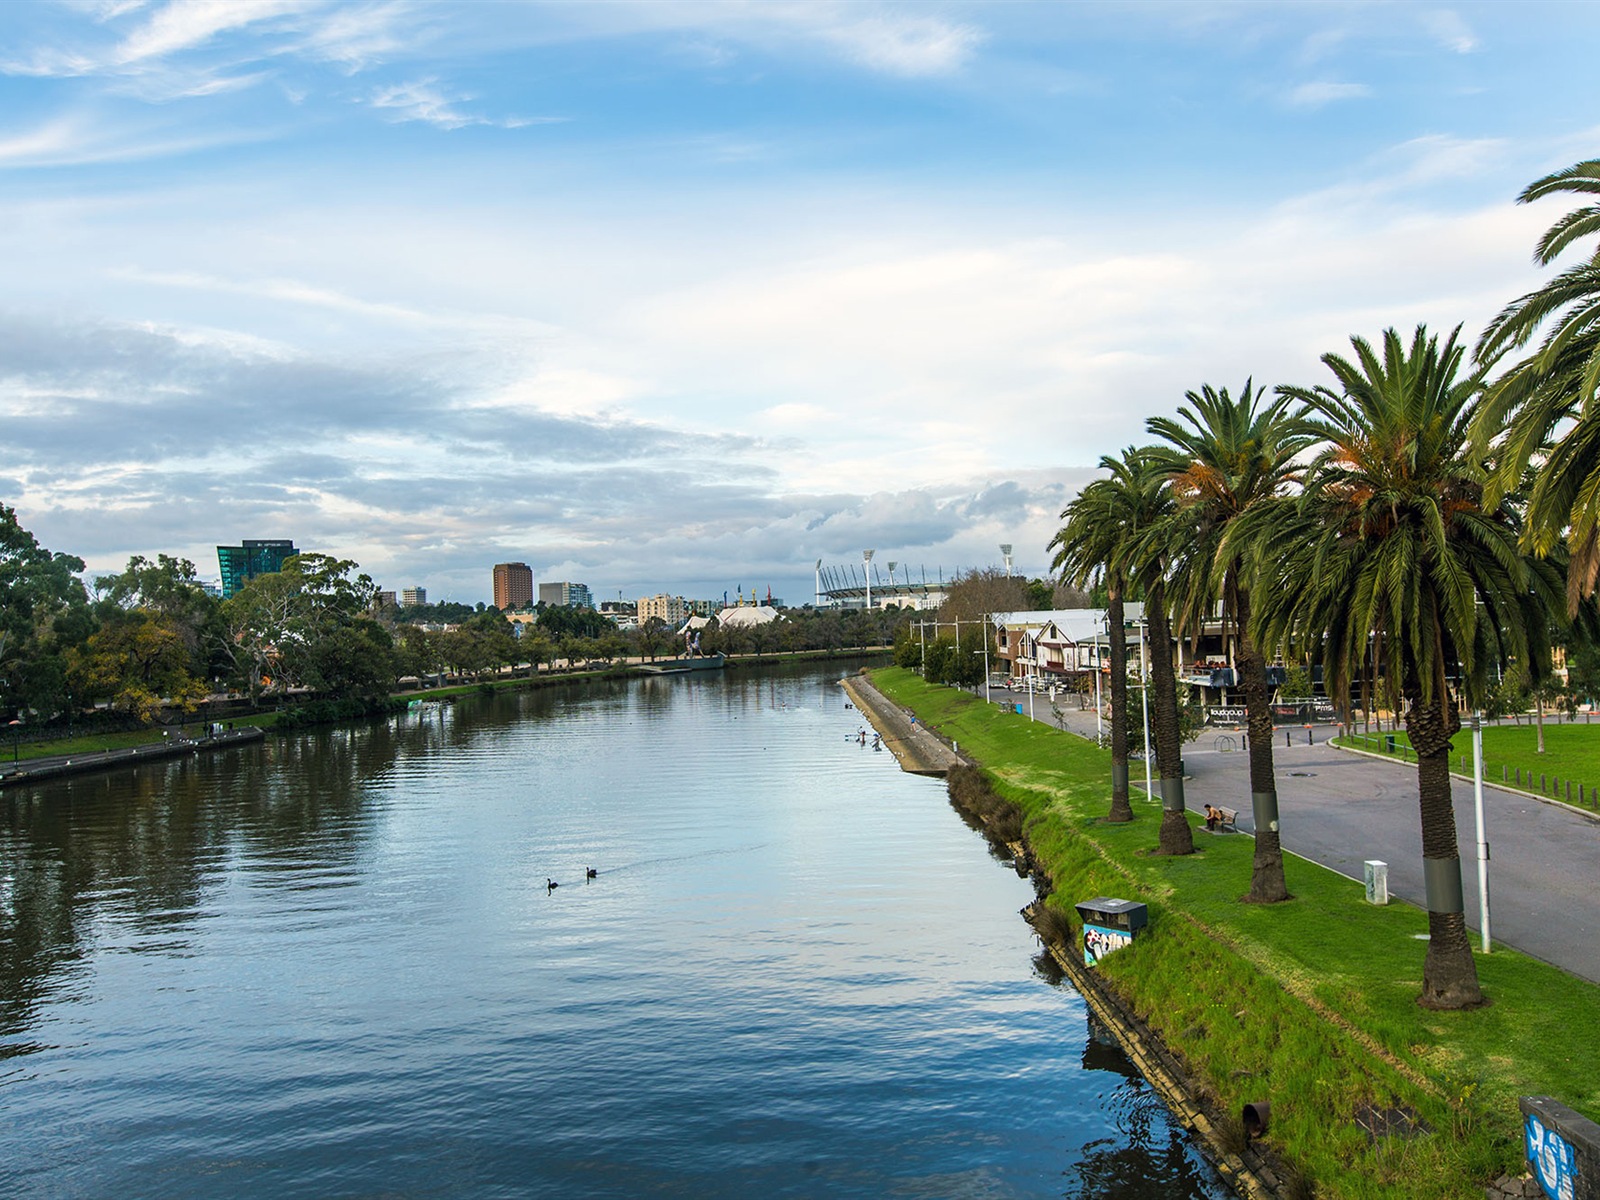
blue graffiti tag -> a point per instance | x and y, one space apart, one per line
1555 1163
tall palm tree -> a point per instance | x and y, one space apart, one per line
1227 460
1097 529
1150 554
1404 552
1546 405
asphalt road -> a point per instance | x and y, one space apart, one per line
1340 808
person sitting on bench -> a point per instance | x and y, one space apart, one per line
1213 818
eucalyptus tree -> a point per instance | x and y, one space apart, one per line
1546 408
1407 559
1097 529
1230 463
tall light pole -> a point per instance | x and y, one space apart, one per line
985 628
1005 553
866 569
1144 699
819 583
1483 844
1099 730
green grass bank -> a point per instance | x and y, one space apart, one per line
1310 1004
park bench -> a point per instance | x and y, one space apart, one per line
1230 819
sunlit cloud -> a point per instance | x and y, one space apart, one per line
1450 30
424 100
1321 92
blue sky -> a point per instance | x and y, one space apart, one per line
684 297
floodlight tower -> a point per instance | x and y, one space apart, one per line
866 569
819 583
1005 552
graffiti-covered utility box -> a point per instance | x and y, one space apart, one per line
1563 1147
1109 925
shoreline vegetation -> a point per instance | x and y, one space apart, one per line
292 717
1309 1004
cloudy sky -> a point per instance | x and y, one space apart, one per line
686 296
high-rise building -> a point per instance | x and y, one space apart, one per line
252 557
513 586
670 609
413 595
566 595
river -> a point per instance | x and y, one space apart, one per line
330 965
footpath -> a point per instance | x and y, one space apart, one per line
36 770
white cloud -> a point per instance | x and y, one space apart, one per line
1320 92
1450 30
185 24
424 100
903 44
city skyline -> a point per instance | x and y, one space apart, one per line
683 297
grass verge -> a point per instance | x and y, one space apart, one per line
1309 1004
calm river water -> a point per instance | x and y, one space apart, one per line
329 966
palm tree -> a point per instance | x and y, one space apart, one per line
1404 553
1545 405
1228 460
1151 552
1097 527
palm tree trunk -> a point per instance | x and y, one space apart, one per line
1121 809
1449 974
1267 885
1176 837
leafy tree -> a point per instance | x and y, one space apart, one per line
561 620
418 651
979 593
138 662
307 626
1230 464
43 611
169 589
1404 552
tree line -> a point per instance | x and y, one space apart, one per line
1423 524
151 639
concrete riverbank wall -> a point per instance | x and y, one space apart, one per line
39 770
916 747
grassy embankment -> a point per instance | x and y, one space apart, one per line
1511 755
1309 1004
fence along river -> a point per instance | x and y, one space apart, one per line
330 964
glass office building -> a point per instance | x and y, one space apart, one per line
254 557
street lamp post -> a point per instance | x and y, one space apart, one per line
1099 730
1144 700
1483 844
